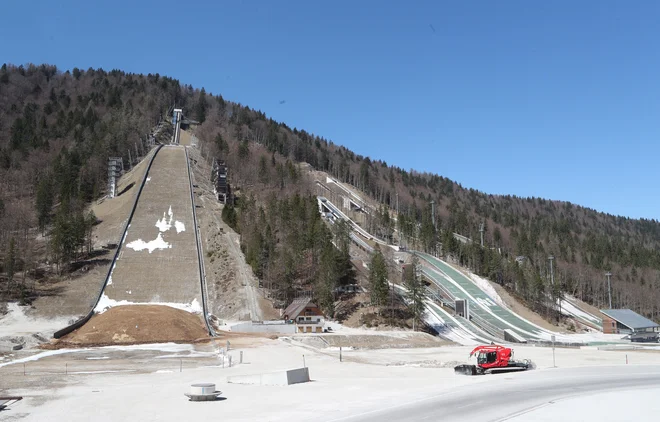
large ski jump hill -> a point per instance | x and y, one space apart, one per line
158 260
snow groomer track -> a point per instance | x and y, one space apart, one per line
157 260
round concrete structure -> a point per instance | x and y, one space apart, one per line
203 392
202 389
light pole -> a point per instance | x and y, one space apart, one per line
398 223
433 212
552 275
609 287
552 282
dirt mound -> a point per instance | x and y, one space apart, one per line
134 324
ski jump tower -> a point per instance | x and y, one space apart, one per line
115 170
176 122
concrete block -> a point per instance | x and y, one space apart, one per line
512 336
293 376
297 376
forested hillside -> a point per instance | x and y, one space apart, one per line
57 130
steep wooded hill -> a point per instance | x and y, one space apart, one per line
58 128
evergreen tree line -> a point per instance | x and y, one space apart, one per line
59 128
291 249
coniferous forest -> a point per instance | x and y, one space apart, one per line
58 128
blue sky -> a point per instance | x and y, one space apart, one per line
554 99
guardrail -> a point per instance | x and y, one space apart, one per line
562 344
335 210
66 330
200 254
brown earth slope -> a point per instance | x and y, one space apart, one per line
74 294
138 324
233 291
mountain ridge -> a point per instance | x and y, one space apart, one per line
49 116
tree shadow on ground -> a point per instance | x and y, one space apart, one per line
126 189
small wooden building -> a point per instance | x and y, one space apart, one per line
306 315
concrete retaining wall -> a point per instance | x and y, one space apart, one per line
249 327
293 376
512 336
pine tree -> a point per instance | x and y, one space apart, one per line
243 150
230 216
263 170
378 278
44 201
10 260
90 222
67 234
415 293
200 107
221 144
346 272
328 278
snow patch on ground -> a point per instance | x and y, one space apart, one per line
41 355
159 347
106 303
180 227
157 243
112 271
16 322
165 224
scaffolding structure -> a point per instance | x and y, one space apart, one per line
115 170
220 183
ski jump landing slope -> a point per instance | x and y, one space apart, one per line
480 304
158 261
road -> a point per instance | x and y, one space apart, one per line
528 396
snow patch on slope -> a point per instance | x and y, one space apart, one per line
106 303
180 227
157 243
567 308
165 224
485 285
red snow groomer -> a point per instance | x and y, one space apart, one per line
493 359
